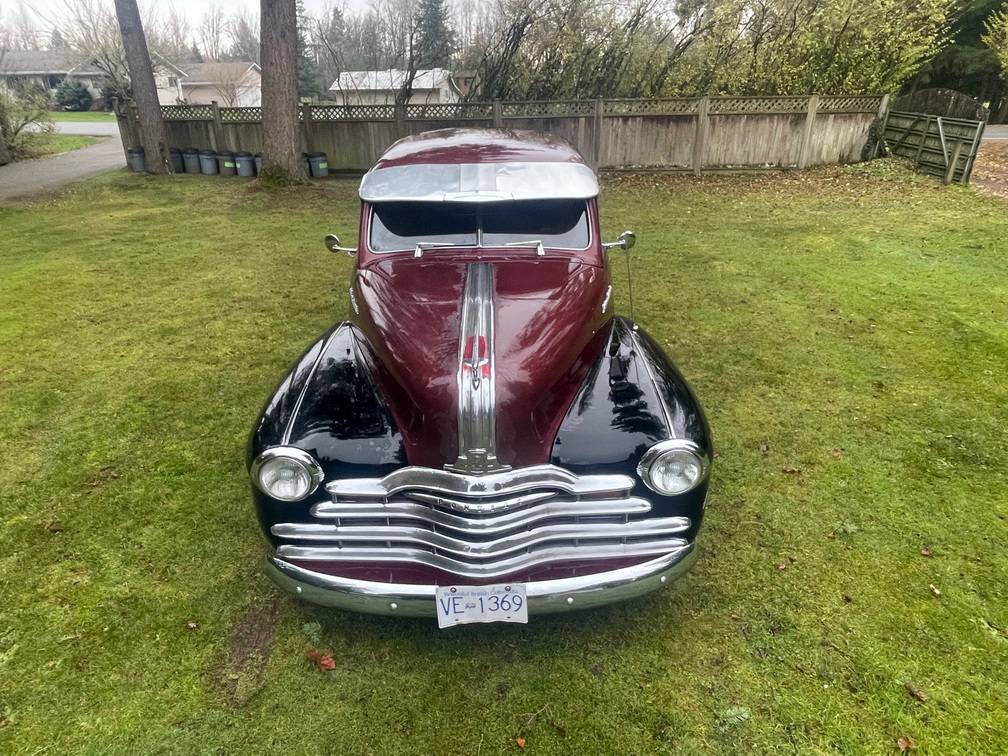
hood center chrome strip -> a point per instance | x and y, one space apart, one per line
477 403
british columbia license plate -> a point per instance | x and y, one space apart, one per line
462 604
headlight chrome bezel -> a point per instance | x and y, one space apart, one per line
295 455
652 455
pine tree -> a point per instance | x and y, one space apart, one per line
56 41
307 68
436 40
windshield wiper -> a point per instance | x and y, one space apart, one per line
537 243
421 246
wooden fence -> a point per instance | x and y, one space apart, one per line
692 134
942 147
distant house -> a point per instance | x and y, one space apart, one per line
230 83
430 85
46 70
466 81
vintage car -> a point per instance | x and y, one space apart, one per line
483 438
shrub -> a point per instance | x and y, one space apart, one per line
18 109
73 95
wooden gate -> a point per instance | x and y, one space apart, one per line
942 147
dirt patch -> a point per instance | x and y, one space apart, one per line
990 172
240 673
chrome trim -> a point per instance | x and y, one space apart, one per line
304 389
490 525
479 182
652 455
477 404
489 569
502 483
606 298
544 596
507 544
288 452
353 301
497 505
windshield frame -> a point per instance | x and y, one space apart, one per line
368 220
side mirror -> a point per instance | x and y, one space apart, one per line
332 243
626 240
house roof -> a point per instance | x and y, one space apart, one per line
27 62
390 80
216 71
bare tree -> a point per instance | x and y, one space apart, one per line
152 126
281 155
5 156
212 33
229 80
243 31
92 32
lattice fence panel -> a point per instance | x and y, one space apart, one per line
758 105
677 106
546 109
352 112
241 115
450 111
852 104
187 112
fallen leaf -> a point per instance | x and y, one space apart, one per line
837 453
790 470
54 526
325 662
926 551
847 599
905 744
191 625
314 631
915 692
732 716
782 566
935 590
520 742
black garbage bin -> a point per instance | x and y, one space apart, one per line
245 164
135 157
318 164
208 162
226 163
307 165
190 158
175 156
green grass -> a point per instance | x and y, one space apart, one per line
31 146
86 115
846 329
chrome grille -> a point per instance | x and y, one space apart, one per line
481 526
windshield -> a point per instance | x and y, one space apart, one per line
560 224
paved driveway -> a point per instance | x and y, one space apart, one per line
995 133
24 179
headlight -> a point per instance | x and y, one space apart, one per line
286 473
673 467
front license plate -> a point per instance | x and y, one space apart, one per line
462 604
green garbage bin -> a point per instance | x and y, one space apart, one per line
226 163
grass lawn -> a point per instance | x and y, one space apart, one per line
846 329
41 145
86 115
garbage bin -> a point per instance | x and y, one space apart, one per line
190 158
226 163
208 162
245 164
177 164
258 162
135 157
319 164
307 165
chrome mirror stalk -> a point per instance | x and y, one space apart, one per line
332 243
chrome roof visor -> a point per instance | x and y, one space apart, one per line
479 182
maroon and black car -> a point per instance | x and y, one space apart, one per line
483 438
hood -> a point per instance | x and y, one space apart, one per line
545 314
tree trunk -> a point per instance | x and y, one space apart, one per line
282 161
152 126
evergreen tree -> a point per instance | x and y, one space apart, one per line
307 67
56 41
196 56
436 40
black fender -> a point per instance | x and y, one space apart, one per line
632 398
329 405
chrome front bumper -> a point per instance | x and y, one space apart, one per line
544 597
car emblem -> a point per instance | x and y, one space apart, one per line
476 359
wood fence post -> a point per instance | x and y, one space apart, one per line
217 132
134 125
950 171
498 115
810 116
307 127
883 113
599 135
700 134
924 136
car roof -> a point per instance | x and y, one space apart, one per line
479 146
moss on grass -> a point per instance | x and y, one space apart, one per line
846 332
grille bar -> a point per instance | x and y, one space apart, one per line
489 525
479 550
493 569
